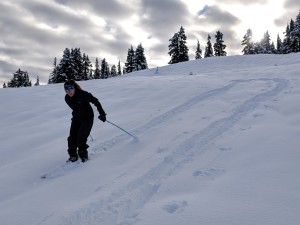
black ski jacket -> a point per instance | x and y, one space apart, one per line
80 104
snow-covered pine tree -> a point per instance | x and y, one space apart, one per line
77 64
113 71
198 53
65 67
286 41
119 69
130 61
53 74
177 48
296 33
248 42
87 66
208 48
97 72
37 83
104 71
219 47
174 49
183 49
140 59
279 49
20 79
265 44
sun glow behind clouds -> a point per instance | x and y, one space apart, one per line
259 18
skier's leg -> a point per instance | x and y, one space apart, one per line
82 136
72 139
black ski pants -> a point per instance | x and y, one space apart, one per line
79 133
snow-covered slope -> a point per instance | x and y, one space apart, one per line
218 143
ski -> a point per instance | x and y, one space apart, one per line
61 170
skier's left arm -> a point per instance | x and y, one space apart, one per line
100 109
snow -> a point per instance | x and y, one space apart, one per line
217 142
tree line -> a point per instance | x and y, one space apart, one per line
77 66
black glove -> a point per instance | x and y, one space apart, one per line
102 117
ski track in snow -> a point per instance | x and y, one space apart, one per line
120 207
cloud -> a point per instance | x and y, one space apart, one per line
242 2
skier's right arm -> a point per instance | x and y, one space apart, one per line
67 99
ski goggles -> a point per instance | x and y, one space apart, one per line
69 87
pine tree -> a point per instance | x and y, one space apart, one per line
119 69
177 48
296 32
279 49
198 53
4 85
208 48
54 74
104 72
113 71
37 83
20 79
286 41
140 59
174 49
87 67
249 45
77 64
65 68
97 72
219 47
265 44
130 61
183 49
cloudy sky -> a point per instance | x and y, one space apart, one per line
34 32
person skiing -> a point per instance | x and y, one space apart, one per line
82 119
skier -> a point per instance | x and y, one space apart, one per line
82 119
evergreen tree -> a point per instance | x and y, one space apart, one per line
87 67
119 69
208 48
37 83
279 49
65 68
249 45
219 47
113 71
4 85
183 49
104 72
265 44
54 74
174 49
257 48
296 32
97 72
20 79
140 59
198 53
130 61
77 64
177 48
286 41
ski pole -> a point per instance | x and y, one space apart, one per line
123 130
91 137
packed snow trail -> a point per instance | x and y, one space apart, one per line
121 206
